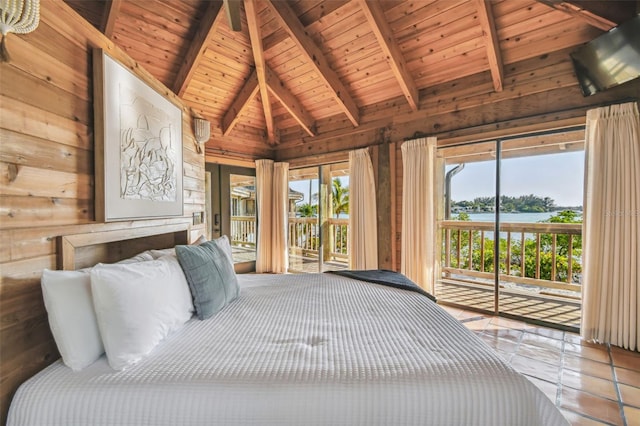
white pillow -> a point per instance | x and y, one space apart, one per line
140 257
67 298
226 247
157 254
138 305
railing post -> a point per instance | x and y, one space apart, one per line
522 254
507 260
570 259
553 257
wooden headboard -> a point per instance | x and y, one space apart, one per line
83 250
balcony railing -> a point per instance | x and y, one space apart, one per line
544 255
243 231
304 235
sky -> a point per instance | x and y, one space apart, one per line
559 176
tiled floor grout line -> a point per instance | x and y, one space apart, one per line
560 387
615 385
560 373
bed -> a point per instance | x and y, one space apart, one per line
316 349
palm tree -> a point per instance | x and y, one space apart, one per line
307 210
340 198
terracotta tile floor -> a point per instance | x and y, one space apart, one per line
591 384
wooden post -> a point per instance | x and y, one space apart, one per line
384 201
326 189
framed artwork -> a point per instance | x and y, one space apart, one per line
138 146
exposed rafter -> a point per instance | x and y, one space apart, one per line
111 10
584 12
290 22
255 34
329 8
233 14
380 27
197 47
242 100
290 102
485 16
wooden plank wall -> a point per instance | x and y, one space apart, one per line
46 179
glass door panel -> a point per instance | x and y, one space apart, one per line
319 218
335 217
304 223
467 263
243 223
541 231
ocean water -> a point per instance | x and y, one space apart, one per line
511 217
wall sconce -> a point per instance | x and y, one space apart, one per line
202 132
17 16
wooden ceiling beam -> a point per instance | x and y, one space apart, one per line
197 47
233 14
292 25
111 11
485 16
258 57
380 27
242 100
591 13
311 19
290 102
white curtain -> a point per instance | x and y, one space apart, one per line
272 198
279 255
419 211
611 227
363 227
264 201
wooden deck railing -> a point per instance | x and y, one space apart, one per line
243 231
304 235
546 255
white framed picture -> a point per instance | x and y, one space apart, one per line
138 146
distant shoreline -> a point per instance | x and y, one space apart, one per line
523 217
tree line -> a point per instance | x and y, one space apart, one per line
524 203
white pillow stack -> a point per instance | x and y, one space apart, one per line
124 309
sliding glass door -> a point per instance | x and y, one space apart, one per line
512 230
318 218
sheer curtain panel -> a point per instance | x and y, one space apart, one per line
363 227
264 201
419 211
611 228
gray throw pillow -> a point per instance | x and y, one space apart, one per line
210 275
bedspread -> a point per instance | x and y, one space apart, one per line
313 349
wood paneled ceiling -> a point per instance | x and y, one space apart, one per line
304 69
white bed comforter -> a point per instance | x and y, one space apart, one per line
299 350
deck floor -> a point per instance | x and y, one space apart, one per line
549 309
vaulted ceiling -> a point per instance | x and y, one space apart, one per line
299 69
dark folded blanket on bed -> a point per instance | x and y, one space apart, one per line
384 277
